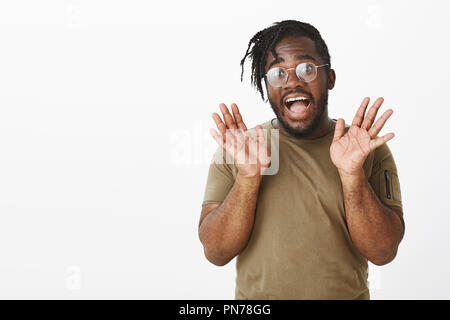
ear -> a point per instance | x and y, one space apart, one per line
331 79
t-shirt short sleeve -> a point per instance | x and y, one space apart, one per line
221 175
384 179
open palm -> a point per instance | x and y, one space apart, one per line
349 151
250 155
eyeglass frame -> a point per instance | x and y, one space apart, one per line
287 72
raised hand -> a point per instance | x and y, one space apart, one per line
348 152
250 156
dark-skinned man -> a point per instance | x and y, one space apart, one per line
309 230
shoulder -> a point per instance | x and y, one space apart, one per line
267 126
382 159
382 153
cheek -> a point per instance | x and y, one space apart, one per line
275 95
319 90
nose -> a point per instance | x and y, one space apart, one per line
292 80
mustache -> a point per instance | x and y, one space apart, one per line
296 90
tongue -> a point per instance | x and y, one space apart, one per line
299 106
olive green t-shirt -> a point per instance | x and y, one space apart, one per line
300 246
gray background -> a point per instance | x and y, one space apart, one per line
105 108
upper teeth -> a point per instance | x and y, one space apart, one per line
296 99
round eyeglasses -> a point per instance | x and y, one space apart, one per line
305 71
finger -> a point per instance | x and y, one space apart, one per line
371 114
242 144
218 137
359 116
257 147
229 121
379 124
219 123
239 135
237 117
231 143
339 129
259 134
375 143
263 152
262 144
252 146
261 140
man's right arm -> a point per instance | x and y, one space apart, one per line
224 229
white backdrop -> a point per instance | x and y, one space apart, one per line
105 108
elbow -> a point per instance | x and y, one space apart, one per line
384 257
216 250
213 253
380 262
217 257
218 262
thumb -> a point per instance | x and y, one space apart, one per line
339 129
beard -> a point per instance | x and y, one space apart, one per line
305 131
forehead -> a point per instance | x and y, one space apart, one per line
292 46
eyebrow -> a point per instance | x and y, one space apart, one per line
300 57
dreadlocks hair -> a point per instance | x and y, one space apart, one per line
266 40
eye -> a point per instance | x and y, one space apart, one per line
277 72
306 71
307 68
277 76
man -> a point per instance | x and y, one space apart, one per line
307 231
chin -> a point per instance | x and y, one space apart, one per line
301 128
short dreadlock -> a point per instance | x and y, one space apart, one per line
266 40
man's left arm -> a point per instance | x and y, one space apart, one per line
375 229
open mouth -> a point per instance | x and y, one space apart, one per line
298 105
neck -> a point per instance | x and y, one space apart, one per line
325 126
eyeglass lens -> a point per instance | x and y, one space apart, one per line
305 71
